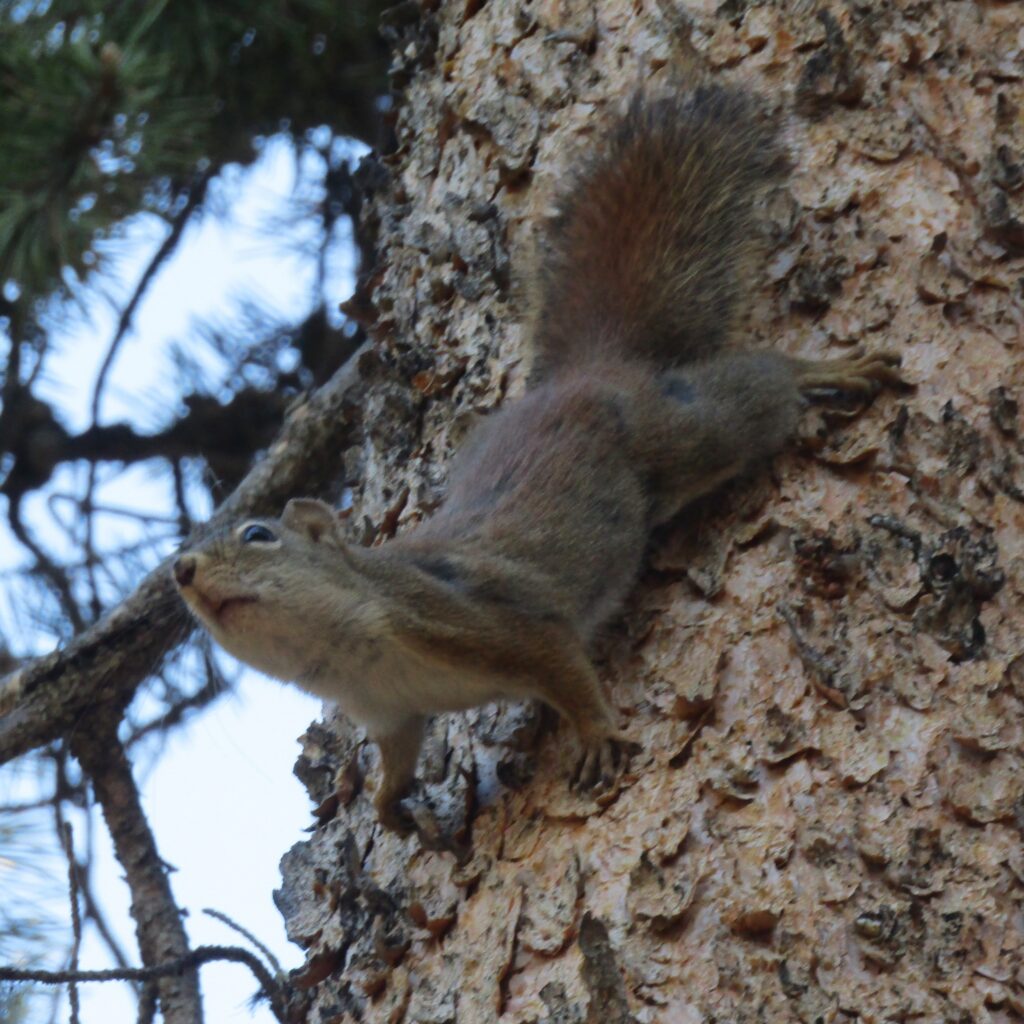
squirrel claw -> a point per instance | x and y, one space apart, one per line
860 373
603 760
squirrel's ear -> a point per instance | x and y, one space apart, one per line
316 519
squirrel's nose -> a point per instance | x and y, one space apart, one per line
184 570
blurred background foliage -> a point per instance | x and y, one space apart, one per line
110 112
111 109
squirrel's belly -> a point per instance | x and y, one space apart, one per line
381 690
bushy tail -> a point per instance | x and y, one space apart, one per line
649 254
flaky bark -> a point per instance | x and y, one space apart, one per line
824 665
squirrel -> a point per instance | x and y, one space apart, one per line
637 403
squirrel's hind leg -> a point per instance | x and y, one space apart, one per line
704 424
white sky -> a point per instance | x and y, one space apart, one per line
222 799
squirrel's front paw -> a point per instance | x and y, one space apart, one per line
394 817
603 760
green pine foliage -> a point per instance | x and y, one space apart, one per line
113 108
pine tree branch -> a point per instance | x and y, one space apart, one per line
223 434
158 925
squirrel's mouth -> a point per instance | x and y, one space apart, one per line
216 609
221 607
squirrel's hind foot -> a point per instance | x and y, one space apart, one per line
861 373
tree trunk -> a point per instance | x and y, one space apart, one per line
824 664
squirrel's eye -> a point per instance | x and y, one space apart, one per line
258 534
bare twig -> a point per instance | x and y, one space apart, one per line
31 805
52 573
66 791
214 686
197 195
270 987
246 934
94 914
53 500
68 842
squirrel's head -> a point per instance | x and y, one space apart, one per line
275 592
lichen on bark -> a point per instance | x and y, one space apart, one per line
824 665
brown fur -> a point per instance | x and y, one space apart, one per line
637 412
650 254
